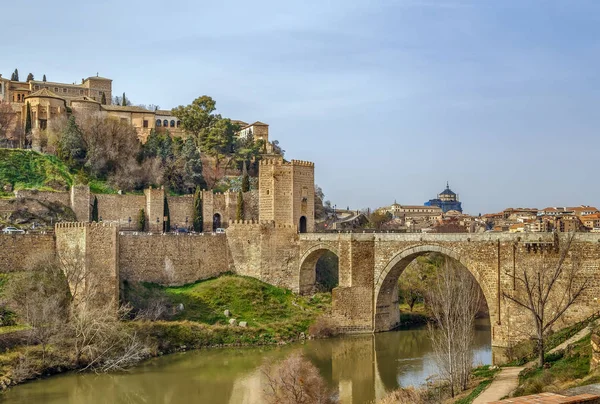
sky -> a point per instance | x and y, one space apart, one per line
389 99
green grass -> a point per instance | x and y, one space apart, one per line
564 367
475 393
259 304
524 351
100 187
27 169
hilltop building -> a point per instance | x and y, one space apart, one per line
50 100
446 201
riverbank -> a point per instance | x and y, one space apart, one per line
225 311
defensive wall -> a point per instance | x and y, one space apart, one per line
281 250
123 210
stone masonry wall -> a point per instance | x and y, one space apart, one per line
172 259
117 209
180 208
92 250
18 251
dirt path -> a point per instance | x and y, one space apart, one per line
505 382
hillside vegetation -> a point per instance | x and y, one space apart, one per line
27 169
276 311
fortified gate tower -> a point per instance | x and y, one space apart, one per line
287 193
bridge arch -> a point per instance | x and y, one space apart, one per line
386 313
308 264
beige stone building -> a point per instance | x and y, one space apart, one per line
50 100
404 212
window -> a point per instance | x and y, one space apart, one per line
64 90
80 92
124 121
56 89
43 124
172 123
178 123
36 87
158 122
166 123
145 123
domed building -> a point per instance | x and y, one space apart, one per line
446 201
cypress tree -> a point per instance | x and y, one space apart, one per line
15 75
29 77
141 220
167 224
44 78
103 98
28 121
95 210
197 215
124 101
245 180
239 213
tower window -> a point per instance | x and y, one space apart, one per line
166 123
172 124
158 122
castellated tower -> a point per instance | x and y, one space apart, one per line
287 193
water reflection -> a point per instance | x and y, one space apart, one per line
361 367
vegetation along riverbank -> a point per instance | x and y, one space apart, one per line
47 330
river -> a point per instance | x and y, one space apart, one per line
362 368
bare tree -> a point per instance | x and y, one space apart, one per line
39 298
548 288
64 306
7 123
295 381
453 299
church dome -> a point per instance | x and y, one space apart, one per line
448 191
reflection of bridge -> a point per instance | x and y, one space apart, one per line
370 264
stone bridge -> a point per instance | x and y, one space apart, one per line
366 299
370 264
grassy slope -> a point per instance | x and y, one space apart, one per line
565 370
273 314
26 169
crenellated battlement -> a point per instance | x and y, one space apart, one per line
281 162
69 225
303 163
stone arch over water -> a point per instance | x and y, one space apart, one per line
308 265
386 311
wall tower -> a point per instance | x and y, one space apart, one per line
287 193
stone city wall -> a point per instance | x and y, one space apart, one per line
180 209
19 251
172 259
118 209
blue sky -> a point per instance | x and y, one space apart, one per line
390 99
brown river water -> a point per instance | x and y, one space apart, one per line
361 368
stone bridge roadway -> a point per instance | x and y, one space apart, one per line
366 299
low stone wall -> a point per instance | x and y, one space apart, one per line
18 251
172 259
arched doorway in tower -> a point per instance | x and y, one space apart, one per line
302 224
216 221
319 271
